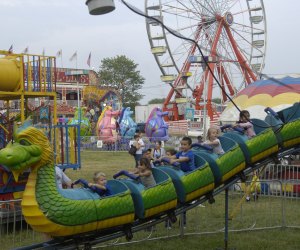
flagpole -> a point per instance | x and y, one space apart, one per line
61 60
74 56
78 92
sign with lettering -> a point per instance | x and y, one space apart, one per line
189 114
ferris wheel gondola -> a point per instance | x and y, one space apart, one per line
232 38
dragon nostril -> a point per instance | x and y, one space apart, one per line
9 156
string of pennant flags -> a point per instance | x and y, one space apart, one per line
58 54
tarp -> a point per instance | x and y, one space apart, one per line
274 93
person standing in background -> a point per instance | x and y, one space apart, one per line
139 144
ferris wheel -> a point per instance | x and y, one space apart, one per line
232 38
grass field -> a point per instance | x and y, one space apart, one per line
267 212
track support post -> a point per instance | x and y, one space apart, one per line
226 220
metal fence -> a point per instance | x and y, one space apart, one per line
14 231
275 205
122 143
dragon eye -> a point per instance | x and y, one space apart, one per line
24 142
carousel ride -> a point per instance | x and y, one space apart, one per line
80 119
127 127
156 128
119 126
106 125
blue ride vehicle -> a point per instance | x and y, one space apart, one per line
146 201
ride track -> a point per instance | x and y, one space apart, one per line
279 137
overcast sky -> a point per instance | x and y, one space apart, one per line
66 24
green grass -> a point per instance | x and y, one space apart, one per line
108 162
266 212
276 239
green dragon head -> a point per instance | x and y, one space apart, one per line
29 149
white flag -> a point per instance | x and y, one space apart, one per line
89 59
74 56
11 49
25 50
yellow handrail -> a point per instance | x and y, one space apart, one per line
247 193
5 130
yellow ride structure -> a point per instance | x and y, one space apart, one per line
25 76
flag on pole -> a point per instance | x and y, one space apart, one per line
73 57
89 59
25 50
10 50
59 53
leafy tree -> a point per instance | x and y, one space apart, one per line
121 73
217 100
156 101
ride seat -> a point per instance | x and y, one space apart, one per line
291 113
116 187
159 175
259 125
199 161
227 144
276 124
241 140
176 175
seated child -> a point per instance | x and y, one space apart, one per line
148 154
213 141
244 122
170 152
144 171
99 186
186 156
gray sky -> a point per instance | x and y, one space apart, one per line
67 25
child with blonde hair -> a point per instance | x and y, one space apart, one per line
100 184
213 141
